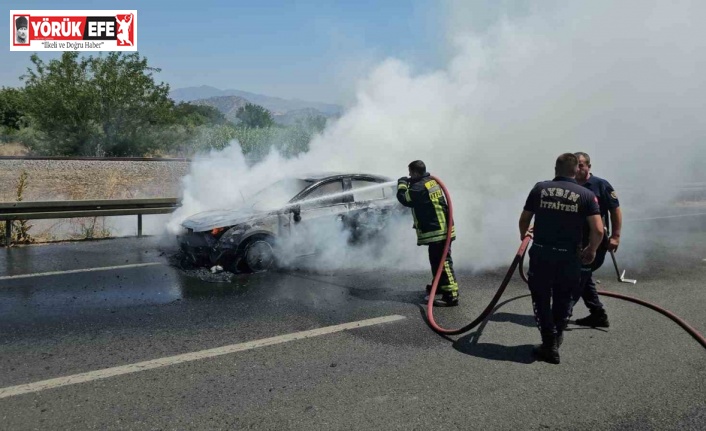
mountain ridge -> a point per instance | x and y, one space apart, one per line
276 105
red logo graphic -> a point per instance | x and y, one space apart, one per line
126 32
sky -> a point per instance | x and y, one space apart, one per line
307 49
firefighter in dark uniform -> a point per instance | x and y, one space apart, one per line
430 211
561 208
609 206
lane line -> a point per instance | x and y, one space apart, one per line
188 357
75 271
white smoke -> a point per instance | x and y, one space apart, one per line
622 81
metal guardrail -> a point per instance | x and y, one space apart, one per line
248 159
10 211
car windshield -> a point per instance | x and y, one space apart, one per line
277 194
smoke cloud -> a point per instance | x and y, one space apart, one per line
622 81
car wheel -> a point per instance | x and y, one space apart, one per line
259 254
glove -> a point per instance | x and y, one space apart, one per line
403 180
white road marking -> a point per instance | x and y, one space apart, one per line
74 271
187 357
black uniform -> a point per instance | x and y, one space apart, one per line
560 208
607 200
430 211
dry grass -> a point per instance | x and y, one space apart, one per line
115 187
13 149
81 180
86 180
20 228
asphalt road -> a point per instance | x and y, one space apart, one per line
642 373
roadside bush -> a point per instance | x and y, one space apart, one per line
20 228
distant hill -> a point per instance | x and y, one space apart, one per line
189 94
228 105
276 105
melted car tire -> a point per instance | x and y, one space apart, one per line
258 255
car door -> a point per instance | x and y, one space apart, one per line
371 207
320 216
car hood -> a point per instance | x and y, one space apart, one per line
219 218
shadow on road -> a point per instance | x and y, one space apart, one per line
469 345
584 328
517 319
521 354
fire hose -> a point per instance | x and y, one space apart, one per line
518 260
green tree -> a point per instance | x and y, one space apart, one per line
105 105
130 103
12 109
112 105
314 123
254 116
61 104
198 115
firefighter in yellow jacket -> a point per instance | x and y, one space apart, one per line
425 197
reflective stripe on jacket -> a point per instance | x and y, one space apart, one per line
429 208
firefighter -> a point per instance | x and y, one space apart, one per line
560 208
424 196
609 206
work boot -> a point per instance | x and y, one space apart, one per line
447 299
559 338
428 290
548 351
595 320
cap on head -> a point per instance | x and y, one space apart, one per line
21 22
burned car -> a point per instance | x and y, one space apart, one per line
248 238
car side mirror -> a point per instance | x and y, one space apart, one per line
297 211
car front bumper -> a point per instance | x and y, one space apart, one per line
199 247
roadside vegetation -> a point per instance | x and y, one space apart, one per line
112 105
20 228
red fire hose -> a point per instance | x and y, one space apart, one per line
518 261
489 309
679 321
